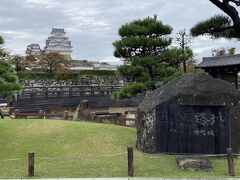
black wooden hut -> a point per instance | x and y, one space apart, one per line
222 67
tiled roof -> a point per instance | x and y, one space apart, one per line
56 30
217 61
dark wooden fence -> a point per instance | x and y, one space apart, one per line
61 97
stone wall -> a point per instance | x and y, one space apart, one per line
146 133
69 82
48 82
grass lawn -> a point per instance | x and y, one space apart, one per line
76 149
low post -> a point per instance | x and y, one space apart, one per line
40 114
31 163
65 115
231 170
84 104
11 110
123 119
16 113
93 115
130 161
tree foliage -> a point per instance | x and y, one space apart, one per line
223 51
141 38
54 62
21 63
227 26
8 79
3 53
149 62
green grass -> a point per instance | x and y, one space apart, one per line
72 149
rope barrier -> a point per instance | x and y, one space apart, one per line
15 159
116 154
64 158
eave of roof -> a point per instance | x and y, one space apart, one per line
220 61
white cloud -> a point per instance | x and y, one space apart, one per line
40 3
86 18
93 25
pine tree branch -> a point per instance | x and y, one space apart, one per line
223 29
229 10
237 2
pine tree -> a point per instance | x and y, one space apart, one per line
221 25
2 51
149 62
8 79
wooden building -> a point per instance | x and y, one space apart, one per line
222 67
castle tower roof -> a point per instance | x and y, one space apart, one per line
58 31
58 42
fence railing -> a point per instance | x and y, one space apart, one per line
16 114
31 160
66 115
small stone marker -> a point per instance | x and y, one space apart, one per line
194 163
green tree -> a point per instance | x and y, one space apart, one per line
3 53
227 26
149 62
223 51
54 62
231 51
8 79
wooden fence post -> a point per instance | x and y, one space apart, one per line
130 161
93 116
65 115
123 119
40 114
16 113
231 170
84 104
31 163
11 110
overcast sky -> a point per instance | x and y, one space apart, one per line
92 25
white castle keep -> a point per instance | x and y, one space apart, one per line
56 42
